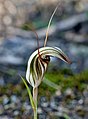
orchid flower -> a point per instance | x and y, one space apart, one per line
39 60
38 63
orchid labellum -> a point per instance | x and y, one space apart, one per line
38 63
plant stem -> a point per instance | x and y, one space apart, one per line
35 94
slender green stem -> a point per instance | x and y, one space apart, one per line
35 95
35 114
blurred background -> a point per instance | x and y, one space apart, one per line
67 96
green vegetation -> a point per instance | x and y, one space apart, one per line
37 24
64 78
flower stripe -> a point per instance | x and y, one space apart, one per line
37 63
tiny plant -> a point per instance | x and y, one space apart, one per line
37 66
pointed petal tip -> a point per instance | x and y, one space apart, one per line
65 58
68 60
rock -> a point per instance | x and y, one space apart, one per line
7 20
56 100
58 92
5 100
44 104
69 93
26 106
14 98
16 51
40 110
72 104
80 110
42 116
13 31
10 7
81 101
57 108
54 104
16 113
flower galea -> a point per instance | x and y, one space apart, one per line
38 63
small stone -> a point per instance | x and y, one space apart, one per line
9 106
39 110
53 105
5 100
7 20
58 93
12 105
6 107
80 101
73 104
80 110
55 102
16 113
26 106
42 116
43 99
44 104
14 98
69 93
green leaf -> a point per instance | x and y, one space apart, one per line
66 116
51 84
29 93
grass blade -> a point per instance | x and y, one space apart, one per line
29 93
51 84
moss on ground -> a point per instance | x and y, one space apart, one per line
64 78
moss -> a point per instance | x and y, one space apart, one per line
61 78
78 80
